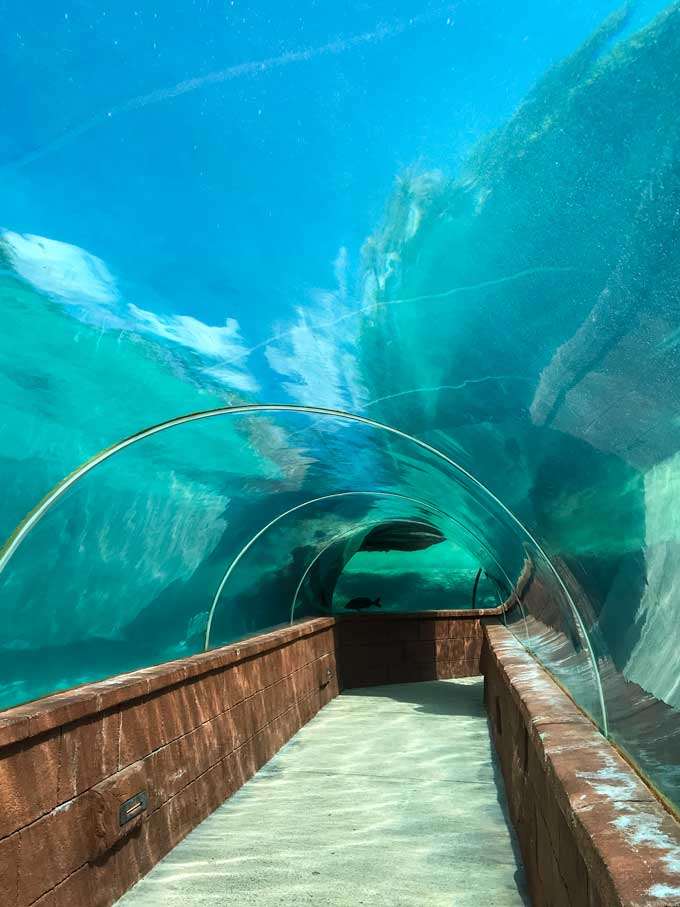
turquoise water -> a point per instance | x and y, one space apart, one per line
467 235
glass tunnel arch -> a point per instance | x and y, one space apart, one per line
357 530
473 488
299 507
344 494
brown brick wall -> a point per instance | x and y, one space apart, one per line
389 648
189 733
592 833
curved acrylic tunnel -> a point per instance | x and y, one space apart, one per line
198 532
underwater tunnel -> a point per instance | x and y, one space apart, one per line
340 407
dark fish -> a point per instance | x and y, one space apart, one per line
360 604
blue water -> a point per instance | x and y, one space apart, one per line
243 192
460 221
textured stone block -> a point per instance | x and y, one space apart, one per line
463 650
156 836
545 858
211 790
119 869
435 628
202 699
236 684
167 772
54 711
29 778
464 628
9 871
397 630
160 677
244 718
297 655
572 869
141 730
422 651
89 753
121 690
380 653
105 800
224 732
52 848
364 676
75 890
14 727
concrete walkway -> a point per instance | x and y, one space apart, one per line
387 797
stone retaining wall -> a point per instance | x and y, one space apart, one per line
592 833
378 648
183 736
170 744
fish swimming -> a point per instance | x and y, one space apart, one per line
360 604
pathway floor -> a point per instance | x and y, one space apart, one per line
389 796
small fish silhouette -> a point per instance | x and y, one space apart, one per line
360 604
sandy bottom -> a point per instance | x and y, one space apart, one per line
388 797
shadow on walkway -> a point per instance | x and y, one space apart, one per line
436 697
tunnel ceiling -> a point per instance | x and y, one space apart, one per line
427 327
